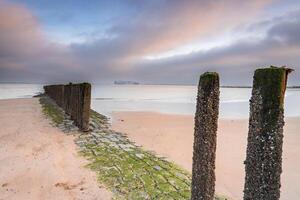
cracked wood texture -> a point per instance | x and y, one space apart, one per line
205 135
264 148
75 99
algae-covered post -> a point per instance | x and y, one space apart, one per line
264 149
75 99
205 136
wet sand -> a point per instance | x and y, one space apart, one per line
172 136
37 160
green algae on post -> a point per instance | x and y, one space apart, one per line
264 149
205 136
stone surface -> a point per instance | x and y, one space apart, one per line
205 134
264 149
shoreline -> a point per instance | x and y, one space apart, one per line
171 136
29 139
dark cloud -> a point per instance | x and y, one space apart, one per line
289 32
153 27
158 27
235 62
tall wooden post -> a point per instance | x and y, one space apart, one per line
85 104
264 149
205 136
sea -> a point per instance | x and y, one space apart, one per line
169 99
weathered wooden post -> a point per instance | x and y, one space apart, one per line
205 136
85 103
264 150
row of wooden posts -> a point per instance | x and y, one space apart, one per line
265 136
264 149
75 99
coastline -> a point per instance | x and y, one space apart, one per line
30 146
171 136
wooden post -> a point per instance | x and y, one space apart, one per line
205 135
264 149
85 104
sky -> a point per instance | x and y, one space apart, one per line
149 41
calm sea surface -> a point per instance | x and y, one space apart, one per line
159 98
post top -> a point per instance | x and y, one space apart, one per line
275 69
209 74
209 80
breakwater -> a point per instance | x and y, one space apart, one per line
75 99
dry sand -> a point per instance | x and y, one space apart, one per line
37 160
172 136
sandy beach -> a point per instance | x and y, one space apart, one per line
172 136
37 160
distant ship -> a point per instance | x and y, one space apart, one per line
126 83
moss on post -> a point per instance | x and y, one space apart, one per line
205 134
264 149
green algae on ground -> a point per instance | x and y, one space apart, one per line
52 110
129 171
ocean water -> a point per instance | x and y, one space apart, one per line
170 99
11 91
176 99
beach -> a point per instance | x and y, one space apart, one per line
171 136
37 160
98 100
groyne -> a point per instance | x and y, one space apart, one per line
75 99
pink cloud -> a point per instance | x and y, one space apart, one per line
27 54
181 22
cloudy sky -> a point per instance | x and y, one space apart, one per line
151 41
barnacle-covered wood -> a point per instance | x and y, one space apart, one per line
205 134
264 149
